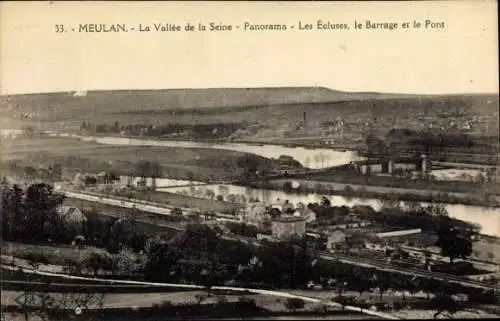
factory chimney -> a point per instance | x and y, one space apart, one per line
424 164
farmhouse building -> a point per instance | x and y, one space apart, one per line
288 227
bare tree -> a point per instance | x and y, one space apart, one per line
143 168
146 168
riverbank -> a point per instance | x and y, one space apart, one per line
315 159
323 143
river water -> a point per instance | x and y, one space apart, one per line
312 158
487 218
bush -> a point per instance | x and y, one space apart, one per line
176 211
294 304
242 229
137 242
36 258
97 262
348 189
287 187
71 262
458 268
345 300
164 306
483 297
113 248
381 306
398 305
245 301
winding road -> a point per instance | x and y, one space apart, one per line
10 296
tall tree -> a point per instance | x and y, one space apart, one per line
383 282
360 280
30 173
12 212
83 126
156 172
325 202
287 264
42 207
162 256
444 303
57 172
145 168
453 243
252 166
374 145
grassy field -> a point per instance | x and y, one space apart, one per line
80 156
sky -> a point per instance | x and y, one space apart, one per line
461 58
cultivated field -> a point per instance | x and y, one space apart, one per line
80 156
64 105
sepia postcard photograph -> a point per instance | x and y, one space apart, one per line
257 160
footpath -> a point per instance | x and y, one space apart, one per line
42 270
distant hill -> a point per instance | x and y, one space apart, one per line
133 100
228 104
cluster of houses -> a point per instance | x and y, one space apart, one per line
361 236
449 123
104 180
288 222
337 237
283 221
